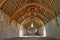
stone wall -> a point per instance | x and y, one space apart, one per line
53 29
10 30
7 30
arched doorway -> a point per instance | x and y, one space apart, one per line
32 28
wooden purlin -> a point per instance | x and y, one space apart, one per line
15 3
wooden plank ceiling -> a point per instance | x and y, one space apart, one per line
19 10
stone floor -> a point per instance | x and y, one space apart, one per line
32 38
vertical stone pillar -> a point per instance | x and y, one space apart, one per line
21 34
2 25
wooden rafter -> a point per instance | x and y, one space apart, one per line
43 16
18 9
15 3
51 2
21 17
35 18
38 16
49 10
42 13
37 13
3 3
